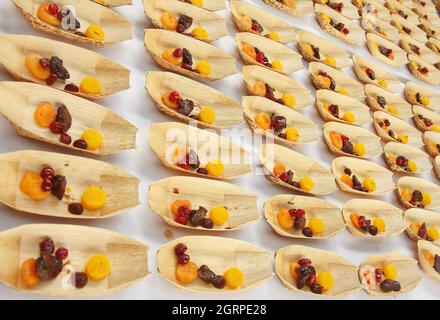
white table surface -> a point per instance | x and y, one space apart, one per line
144 225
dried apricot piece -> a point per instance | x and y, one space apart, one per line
279 168
259 88
294 270
28 273
336 140
354 217
234 278
249 50
170 99
262 119
45 114
345 178
98 267
44 15
219 215
30 185
406 194
168 56
179 203
429 257
285 219
414 226
93 198
32 63
169 20
186 273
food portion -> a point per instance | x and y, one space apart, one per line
305 183
433 259
52 70
188 159
58 120
185 214
278 124
370 226
183 24
182 57
415 197
40 186
386 52
423 70
325 81
339 26
295 219
367 184
188 108
372 76
343 143
381 276
259 56
333 109
425 231
254 26
313 53
187 272
427 123
63 17
381 101
263 89
51 264
402 163
305 274
385 125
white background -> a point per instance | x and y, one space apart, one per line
143 224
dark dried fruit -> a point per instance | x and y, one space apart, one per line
59 186
196 216
180 248
372 230
184 23
301 282
80 279
186 106
52 79
316 53
46 185
219 282
437 263
256 26
57 67
75 208
187 57
183 259
347 171
64 116
278 123
390 285
206 274
381 101
417 196
347 147
48 267
62 253
56 127
71 87
371 74
316 288
80 144
193 159
299 223
269 92
207 223
65 138
47 246
202 171
334 110
414 49
339 26
356 183
307 232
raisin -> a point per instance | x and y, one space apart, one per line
417 196
76 208
186 106
332 84
406 30
207 224
307 232
316 53
57 67
347 147
334 110
381 101
269 92
187 57
371 74
278 123
299 223
383 50
416 50
180 248
437 263
347 171
63 116
80 279
372 230
71 87
206 274
289 176
339 26
219 282
48 267
256 26
390 285
197 216
80 144
356 183
282 135
47 246
202 171
184 23
59 186
316 288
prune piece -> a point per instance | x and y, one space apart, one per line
371 74
256 26
56 65
316 53
196 216
417 196
278 123
193 159
356 183
80 279
207 224
299 223
301 282
383 50
391 134
307 232
418 97
316 288
282 135
401 161
219 282
347 171
80 144
334 110
372 230
186 106
347 147
71 87
48 267
415 49
339 26
47 246
184 23
75 208
202 171
289 176
406 30
437 263
389 285
63 116
381 101
269 92
206 274
59 186
187 57
332 84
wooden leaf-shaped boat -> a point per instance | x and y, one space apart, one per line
20 101
422 96
412 184
407 28
426 120
80 63
254 76
120 187
347 9
128 258
211 5
343 83
328 18
328 53
301 166
214 25
396 7
241 204
392 150
294 8
381 28
345 274
372 209
411 45
313 207
219 254
401 131
222 64
431 140
415 217
167 138
115 27
434 44
363 169
408 274
272 26
306 129
371 73
382 100
356 135
228 112
426 249
431 29
374 43
274 51
416 67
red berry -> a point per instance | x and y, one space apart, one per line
344 138
44 62
47 246
46 185
52 79
56 127
311 279
180 249
47 173
379 275
183 211
174 96
53 9
300 213
292 212
260 57
182 219
183 259
284 176
305 262
65 138
178 52
62 253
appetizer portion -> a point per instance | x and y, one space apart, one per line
406 158
197 203
422 96
429 258
407 28
373 8
423 70
431 141
426 120
380 99
386 51
398 8
422 225
416 192
292 7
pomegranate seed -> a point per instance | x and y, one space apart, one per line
65 138
47 173
56 127
292 212
183 259
362 222
387 122
52 79
46 185
379 275
183 211
284 176
174 96
178 52
300 213
260 57
44 62
47 246
181 219
311 279
53 9
62 253
180 249
344 138
80 144
305 262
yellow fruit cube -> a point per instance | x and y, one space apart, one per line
325 18
274 36
98 267
425 101
204 67
90 85
433 233
435 128
95 32
219 215
343 91
325 280
200 33
306 183
234 278
369 184
383 83
207 115
359 148
349 117
93 138
197 3
412 166
330 61
292 134
215 168
426 199
289 100
379 223
393 110
403 138
277 65
390 271
93 198
317 225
